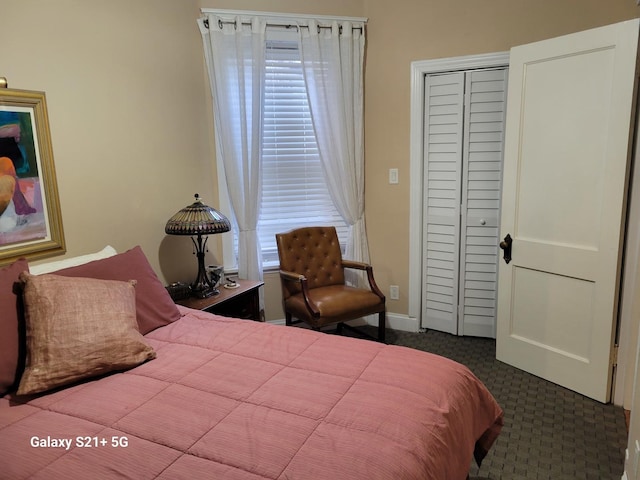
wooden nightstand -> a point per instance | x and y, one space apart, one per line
241 302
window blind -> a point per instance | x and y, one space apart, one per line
294 189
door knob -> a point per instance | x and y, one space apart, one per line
505 245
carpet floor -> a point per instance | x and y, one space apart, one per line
549 433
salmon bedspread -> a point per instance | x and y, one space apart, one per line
235 399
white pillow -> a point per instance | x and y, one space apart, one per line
49 267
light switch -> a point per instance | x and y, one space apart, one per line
393 176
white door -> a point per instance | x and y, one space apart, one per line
464 129
567 145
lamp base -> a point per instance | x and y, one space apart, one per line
202 286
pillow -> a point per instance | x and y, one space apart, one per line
78 328
154 307
50 267
9 336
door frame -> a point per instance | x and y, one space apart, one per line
627 336
419 70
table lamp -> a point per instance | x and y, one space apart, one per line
199 220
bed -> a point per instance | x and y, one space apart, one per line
205 396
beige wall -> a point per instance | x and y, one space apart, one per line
124 82
130 114
398 33
403 31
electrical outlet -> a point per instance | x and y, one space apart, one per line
394 292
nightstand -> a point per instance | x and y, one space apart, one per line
240 302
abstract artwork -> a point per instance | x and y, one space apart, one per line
30 219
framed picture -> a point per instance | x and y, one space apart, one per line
30 218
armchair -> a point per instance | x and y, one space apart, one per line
313 281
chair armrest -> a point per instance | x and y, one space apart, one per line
302 280
291 277
369 270
354 264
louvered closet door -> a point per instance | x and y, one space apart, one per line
444 109
464 124
485 104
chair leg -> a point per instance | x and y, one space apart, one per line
381 326
287 319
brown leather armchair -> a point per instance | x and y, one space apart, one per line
313 281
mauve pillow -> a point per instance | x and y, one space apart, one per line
154 307
9 337
78 328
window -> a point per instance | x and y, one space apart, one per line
294 191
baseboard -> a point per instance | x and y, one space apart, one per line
395 321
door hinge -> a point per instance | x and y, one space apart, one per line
614 356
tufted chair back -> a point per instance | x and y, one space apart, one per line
313 252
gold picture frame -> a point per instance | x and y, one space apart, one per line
30 216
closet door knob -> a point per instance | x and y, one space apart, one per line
483 221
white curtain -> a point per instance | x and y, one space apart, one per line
235 55
333 60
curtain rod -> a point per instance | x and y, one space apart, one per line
205 22
281 18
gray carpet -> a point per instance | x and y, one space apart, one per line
549 433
